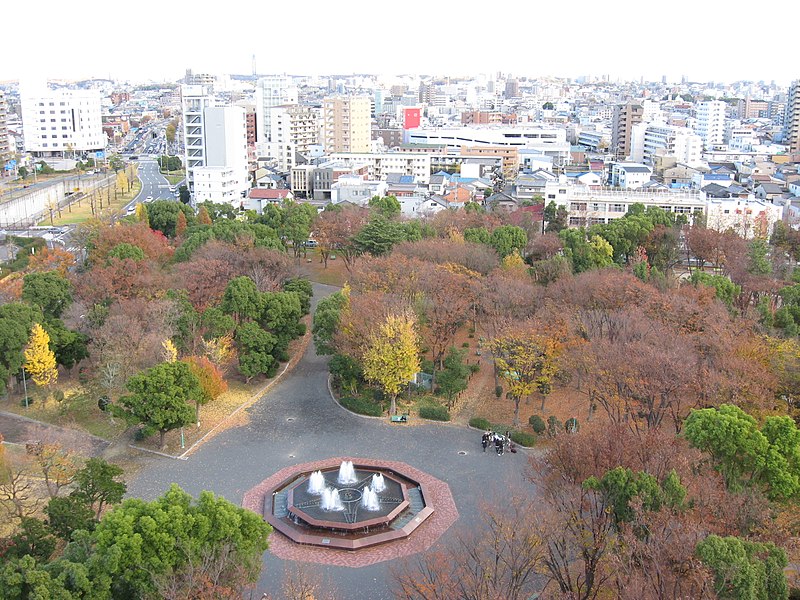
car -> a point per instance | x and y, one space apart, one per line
148 199
131 210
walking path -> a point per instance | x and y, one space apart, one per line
296 421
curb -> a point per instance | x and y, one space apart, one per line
347 410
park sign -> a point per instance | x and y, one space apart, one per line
99 155
11 165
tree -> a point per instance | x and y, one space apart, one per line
51 259
203 218
555 216
335 230
211 381
180 224
115 162
34 538
160 397
40 361
326 320
387 206
392 358
242 300
453 379
99 485
378 236
68 514
163 216
143 545
745 570
184 195
58 467
508 238
527 360
16 322
255 348
50 291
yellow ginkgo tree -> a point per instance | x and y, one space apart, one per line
40 361
392 356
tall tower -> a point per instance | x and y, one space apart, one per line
271 91
625 117
792 119
711 123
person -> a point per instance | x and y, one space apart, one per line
485 440
498 444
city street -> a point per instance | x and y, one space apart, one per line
154 184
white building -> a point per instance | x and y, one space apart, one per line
649 140
294 130
746 216
379 165
355 189
589 206
271 91
58 122
630 176
711 123
549 141
216 148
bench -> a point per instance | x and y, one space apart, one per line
399 418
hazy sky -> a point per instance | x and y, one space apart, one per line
147 40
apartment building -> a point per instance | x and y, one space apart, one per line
59 122
711 123
650 140
216 152
294 129
792 119
346 124
272 91
626 116
379 166
6 151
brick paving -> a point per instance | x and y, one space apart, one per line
437 495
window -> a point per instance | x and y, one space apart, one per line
575 221
551 196
562 191
597 206
577 206
617 208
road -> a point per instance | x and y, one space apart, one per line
241 457
154 184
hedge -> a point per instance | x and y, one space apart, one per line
362 406
480 423
538 424
523 439
434 412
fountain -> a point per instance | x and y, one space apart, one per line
316 483
370 500
378 483
347 473
331 500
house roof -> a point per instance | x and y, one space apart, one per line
771 188
635 169
268 194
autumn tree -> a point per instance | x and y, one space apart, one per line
180 224
40 361
335 230
392 358
57 466
203 218
211 381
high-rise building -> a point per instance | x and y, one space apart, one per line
216 147
60 122
346 124
625 117
5 148
272 91
792 121
295 129
711 123
512 88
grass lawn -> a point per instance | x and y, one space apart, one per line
334 274
79 214
78 410
174 177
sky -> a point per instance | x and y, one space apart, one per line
624 39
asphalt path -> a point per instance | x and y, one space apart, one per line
154 184
241 457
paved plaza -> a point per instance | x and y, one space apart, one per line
298 422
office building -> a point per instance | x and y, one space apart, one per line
792 120
346 124
272 91
622 123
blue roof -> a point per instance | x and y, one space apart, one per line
406 179
717 177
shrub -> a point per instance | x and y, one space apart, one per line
465 345
571 425
537 423
434 412
362 406
498 390
474 368
480 423
553 425
523 439
144 432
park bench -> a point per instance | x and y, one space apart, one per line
399 418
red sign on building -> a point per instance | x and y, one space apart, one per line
410 118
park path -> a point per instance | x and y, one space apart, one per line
17 429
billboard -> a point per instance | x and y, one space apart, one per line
411 118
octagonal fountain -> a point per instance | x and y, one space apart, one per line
347 505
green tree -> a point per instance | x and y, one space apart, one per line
453 379
115 162
255 348
555 216
745 570
379 236
303 289
725 289
125 250
99 485
477 235
758 257
49 291
70 347
242 300
16 321
142 544
392 357
163 216
33 538
387 206
507 238
296 226
161 396
185 195
326 320
66 514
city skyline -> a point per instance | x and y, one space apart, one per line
624 44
